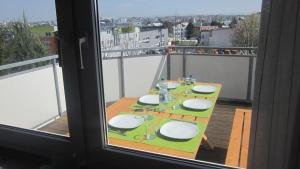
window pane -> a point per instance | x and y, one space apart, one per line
178 78
31 82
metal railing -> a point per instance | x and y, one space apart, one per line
214 51
165 53
246 52
132 53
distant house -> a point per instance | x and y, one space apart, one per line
139 37
179 31
107 39
217 38
153 37
204 26
50 41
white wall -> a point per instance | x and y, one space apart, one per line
221 37
111 80
139 72
231 72
29 99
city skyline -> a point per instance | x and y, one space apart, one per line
45 10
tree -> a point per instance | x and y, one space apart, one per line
189 30
169 25
216 23
246 31
18 43
233 22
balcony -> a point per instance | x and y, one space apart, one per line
131 73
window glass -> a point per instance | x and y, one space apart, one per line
31 81
178 79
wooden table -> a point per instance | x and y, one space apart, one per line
123 106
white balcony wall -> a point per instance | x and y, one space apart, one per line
111 76
140 74
28 99
231 72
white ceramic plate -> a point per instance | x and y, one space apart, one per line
204 89
179 130
197 104
149 99
171 85
126 121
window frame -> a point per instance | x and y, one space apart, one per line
101 154
47 144
84 96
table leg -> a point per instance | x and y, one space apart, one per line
206 143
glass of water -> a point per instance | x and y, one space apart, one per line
148 132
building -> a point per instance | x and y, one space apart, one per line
179 31
217 37
140 37
50 42
153 37
128 40
107 39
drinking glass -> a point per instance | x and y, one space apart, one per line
181 80
194 80
148 134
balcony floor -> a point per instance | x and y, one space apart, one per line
218 131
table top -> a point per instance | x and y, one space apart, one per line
124 105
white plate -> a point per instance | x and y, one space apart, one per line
179 130
171 85
204 89
126 121
197 104
149 99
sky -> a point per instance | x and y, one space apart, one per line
40 10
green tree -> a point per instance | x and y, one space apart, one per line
189 30
2 45
18 43
216 23
246 31
169 25
128 29
233 22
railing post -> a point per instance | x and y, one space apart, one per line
168 66
183 63
56 87
121 74
250 78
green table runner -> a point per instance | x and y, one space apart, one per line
137 134
180 111
181 91
180 96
